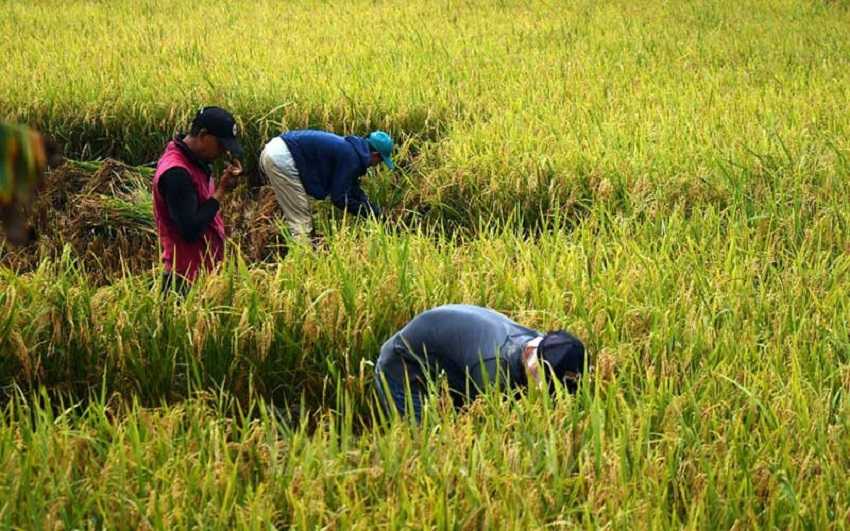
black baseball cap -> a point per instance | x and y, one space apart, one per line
564 353
221 125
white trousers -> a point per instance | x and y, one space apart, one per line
278 166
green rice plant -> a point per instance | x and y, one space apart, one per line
664 296
666 180
702 458
518 108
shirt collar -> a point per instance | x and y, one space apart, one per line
194 159
514 346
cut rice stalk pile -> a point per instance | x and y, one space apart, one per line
103 211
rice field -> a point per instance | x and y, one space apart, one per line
667 180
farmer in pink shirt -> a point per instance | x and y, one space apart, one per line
187 202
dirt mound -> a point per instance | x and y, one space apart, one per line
104 212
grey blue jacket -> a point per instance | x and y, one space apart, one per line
472 346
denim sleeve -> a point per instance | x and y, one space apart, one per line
356 202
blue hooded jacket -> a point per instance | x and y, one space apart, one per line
331 165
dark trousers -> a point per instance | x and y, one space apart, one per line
393 394
176 283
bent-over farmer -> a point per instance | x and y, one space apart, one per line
187 203
309 163
473 347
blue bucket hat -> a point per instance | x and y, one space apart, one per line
383 144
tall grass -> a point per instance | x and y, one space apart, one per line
668 298
685 166
515 106
715 454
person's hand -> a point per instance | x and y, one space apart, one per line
228 179
230 173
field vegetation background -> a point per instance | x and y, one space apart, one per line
668 180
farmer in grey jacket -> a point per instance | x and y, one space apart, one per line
472 347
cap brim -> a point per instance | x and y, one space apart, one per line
231 145
388 161
563 351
